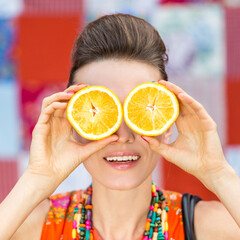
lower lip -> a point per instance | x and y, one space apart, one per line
122 166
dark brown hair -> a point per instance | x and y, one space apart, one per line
119 36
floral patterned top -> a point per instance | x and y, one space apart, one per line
58 224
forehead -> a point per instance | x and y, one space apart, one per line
120 76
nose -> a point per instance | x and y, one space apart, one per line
125 134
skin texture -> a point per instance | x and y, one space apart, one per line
56 150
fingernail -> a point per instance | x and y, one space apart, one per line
144 139
153 81
115 138
80 84
70 92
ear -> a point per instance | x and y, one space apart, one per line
167 135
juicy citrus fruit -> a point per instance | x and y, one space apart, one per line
150 109
95 112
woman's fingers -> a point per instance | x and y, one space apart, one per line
187 103
162 148
95 146
61 96
49 110
199 110
75 88
174 88
70 90
184 109
56 97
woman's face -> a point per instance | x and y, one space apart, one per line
120 76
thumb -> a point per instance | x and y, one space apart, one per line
95 146
162 148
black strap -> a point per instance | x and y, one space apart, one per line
188 203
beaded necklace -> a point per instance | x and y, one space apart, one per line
156 227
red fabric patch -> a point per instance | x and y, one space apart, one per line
233 107
176 179
45 44
8 176
232 40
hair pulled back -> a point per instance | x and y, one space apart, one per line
119 36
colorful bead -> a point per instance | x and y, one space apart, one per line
159 211
88 206
164 215
166 235
151 232
74 224
154 217
146 233
74 233
154 194
147 226
150 214
87 235
157 197
166 226
88 222
91 236
155 234
89 214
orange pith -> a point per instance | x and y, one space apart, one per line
150 109
95 112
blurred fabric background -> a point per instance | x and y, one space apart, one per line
36 37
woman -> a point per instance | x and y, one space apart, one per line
119 52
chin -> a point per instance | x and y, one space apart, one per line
123 183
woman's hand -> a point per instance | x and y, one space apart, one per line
54 153
197 149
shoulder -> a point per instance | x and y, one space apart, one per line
32 226
212 221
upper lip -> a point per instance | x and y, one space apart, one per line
121 154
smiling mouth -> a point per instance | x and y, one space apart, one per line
122 159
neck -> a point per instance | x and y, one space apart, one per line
121 214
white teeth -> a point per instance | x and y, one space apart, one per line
124 158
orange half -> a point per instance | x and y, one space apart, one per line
95 112
150 109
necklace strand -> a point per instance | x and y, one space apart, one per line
156 227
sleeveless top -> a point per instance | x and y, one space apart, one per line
58 223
